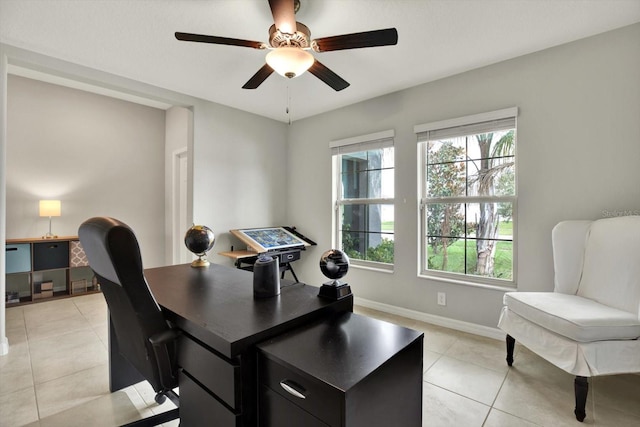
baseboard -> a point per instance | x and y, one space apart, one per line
4 346
433 319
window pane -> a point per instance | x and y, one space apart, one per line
368 174
490 258
445 220
446 180
446 151
367 232
449 256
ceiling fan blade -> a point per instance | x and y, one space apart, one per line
200 38
328 76
386 37
284 16
258 77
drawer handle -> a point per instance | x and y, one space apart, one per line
292 388
11 249
52 246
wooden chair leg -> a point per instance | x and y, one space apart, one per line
581 387
511 342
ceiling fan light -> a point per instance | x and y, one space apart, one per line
289 61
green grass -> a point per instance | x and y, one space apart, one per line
505 228
387 226
503 268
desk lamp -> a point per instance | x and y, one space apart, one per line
334 264
49 208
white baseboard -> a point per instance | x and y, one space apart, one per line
446 322
4 346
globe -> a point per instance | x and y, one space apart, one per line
199 239
334 264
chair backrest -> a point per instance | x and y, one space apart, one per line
600 260
114 256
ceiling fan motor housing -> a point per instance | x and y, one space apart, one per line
298 39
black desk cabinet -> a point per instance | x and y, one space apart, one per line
343 371
221 324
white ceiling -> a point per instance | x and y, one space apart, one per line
436 38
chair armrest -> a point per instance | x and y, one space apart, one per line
166 362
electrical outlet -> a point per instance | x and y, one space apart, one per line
442 298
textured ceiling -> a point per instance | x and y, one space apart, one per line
437 38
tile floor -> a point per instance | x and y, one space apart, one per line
56 375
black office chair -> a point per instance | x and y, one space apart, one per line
145 337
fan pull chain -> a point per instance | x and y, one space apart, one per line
288 104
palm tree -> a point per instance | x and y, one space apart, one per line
492 164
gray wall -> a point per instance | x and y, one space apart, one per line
578 153
100 156
239 173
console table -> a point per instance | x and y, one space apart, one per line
38 269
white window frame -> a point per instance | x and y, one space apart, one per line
383 139
468 125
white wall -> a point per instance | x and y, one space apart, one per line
100 156
578 153
240 173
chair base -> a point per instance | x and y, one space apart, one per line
580 384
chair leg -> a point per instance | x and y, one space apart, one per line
581 387
511 343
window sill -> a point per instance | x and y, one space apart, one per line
507 287
372 267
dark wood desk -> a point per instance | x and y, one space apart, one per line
222 323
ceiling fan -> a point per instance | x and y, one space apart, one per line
290 42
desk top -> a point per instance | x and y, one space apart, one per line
216 305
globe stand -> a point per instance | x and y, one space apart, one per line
334 290
200 262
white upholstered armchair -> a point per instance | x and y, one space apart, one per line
589 325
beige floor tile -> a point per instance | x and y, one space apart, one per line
109 410
439 340
467 379
93 307
482 351
17 335
14 317
428 359
539 402
18 408
442 408
607 417
55 318
533 366
65 354
15 369
72 390
498 418
619 392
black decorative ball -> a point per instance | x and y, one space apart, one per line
199 239
334 264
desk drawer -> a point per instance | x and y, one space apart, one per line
199 408
217 374
320 399
276 411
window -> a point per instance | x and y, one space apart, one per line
364 195
468 197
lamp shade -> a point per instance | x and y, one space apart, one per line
289 61
50 208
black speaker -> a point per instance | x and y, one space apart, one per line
266 277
